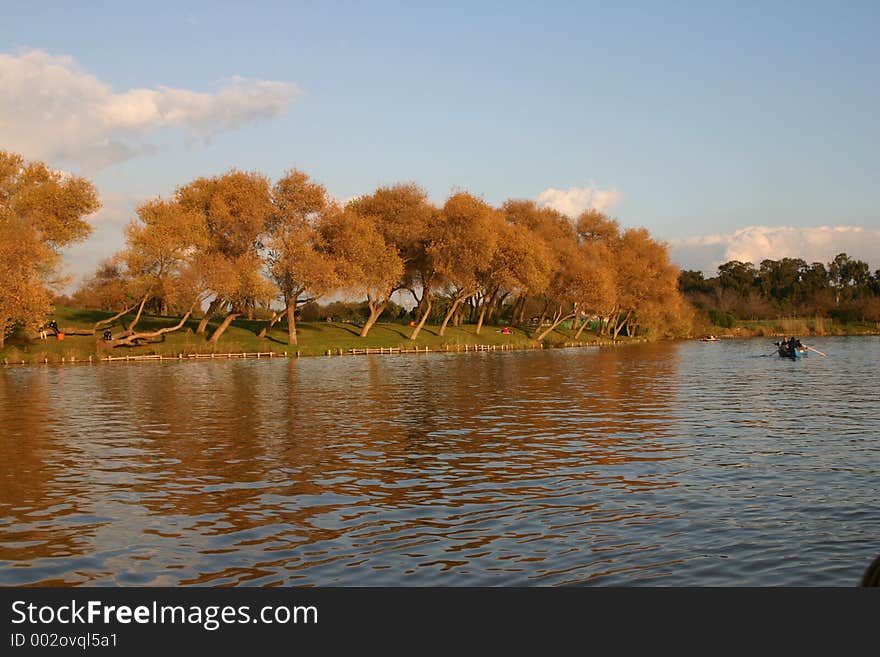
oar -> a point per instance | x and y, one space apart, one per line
817 351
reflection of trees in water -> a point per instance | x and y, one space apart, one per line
267 457
39 475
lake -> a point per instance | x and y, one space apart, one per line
683 464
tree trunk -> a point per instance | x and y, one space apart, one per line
424 318
276 317
543 315
375 311
3 332
137 317
129 340
618 325
582 327
209 313
486 305
291 323
420 302
223 326
449 315
558 318
495 308
480 319
519 310
605 326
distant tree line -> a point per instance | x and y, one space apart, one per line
843 289
240 245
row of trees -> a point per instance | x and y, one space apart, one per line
236 243
843 288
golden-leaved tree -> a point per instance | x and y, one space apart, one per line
160 264
407 222
465 248
366 264
236 208
41 212
296 257
646 284
519 264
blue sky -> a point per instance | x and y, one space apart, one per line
699 120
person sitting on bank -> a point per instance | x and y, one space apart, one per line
42 329
54 326
108 335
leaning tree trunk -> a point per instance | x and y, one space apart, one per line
132 338
497 305
618 324
376 309
488 304
582 327
99 323
130 328
223 326
276 317
3 332
558 318
424 317
449 316
209 313
481 317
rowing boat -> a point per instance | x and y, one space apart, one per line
794 354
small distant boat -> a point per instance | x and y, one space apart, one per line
709 338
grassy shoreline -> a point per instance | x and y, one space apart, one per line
317 338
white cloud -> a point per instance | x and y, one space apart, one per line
573 201
51 109
756 243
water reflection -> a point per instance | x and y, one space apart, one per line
656 464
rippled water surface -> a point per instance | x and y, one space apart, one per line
687 464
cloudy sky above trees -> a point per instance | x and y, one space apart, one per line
730 131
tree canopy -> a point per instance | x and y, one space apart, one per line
41 212
236 243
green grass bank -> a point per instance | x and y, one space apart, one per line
315 339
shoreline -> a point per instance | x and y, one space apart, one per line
95 359
243 339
